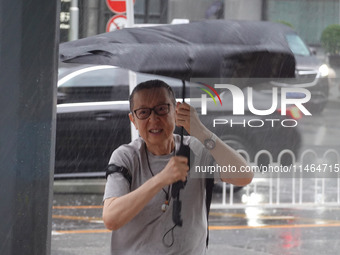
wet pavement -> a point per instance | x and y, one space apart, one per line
276 231
78 228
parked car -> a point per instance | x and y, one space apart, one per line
92 120
310 72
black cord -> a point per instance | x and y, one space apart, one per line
171 230
167 196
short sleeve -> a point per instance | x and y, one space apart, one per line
123 157
116 186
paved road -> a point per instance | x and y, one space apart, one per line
78 228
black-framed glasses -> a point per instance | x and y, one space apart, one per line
160 110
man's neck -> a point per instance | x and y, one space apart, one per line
163 149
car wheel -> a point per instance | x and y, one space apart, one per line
318 108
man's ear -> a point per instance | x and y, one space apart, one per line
132 119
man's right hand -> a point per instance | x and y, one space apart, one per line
176 170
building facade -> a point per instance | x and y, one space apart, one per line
308 17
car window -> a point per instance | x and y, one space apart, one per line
296 45
92 84
95 77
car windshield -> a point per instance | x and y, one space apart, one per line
92 77
297 46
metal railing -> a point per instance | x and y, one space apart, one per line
314 182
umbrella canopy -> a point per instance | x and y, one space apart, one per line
214 48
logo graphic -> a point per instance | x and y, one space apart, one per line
208 92
239 100
204 97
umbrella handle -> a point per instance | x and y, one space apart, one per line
183 100
184 150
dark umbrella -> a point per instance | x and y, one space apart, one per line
216 48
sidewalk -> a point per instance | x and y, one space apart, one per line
79 186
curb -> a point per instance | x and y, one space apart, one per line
79 186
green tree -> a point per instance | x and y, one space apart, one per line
285 23
330 39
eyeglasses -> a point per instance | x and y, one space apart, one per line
160 110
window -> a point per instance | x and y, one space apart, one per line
297 46
95 76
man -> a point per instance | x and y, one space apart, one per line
139 210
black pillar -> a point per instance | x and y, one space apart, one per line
28 75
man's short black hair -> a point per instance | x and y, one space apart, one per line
152 84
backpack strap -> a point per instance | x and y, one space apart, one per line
209 184
112 168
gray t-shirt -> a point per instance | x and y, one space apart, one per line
144 233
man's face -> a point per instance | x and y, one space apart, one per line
155 130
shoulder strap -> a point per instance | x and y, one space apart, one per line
112 168
209 184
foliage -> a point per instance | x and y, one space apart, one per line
330 39
285 23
